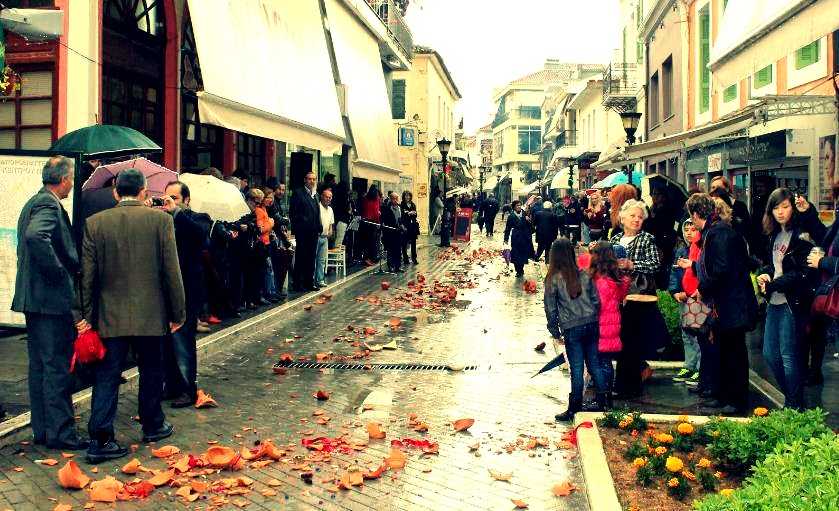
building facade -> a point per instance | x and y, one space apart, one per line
234 86
423 102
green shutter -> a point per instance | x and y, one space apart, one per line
524 141
807 55
763 77
729 94
397 103
623 45
704 58
724 4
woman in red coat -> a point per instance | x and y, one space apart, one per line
371 213
612 288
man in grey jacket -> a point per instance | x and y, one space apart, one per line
45 292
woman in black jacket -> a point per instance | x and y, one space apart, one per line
409 221
726 286
788 285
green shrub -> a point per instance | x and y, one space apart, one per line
739 446
800 476
669 308
635 450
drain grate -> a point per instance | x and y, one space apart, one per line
372 367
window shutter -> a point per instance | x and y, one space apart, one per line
807 55
763 77
729 94
398 99
704 58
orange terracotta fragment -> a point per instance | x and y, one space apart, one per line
204 400
70 476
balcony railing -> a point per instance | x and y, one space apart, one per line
566 138
621 84
388 11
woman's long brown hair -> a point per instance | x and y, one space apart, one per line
563 261
603 261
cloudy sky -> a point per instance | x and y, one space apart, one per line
487 43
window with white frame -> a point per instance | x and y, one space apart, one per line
763 77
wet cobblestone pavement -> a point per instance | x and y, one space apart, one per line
493 326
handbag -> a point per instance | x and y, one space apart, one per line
87 348
695 314
827 299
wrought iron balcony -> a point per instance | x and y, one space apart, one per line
389 12
621 84
566 138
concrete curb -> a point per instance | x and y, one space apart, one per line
600 486
15 429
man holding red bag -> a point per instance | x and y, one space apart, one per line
45 292
133 295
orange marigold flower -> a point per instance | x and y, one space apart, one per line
685 428
704 463
634 433
639 462
760 411
682 418
689 475
664 438
673 482
674 464
718 474
661 450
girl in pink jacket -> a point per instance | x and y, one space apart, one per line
612 288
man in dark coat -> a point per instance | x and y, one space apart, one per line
305 224
392 228
547 229
573 218
133 295
490 210
181 359
726 286
45 292
519 232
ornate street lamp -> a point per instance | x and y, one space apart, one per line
630 122
443 145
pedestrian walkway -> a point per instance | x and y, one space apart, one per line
493 326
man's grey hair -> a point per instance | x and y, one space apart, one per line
130 182
56 169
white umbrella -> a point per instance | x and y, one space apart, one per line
210 195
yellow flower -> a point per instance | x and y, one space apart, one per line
715 433
674 464
664 438
689 475
682 418
660 450
760 411
704 463
685 428
623 424
628 419
673 482
726 492
639 462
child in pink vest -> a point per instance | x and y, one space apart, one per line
612 288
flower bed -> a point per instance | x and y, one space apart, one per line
682 465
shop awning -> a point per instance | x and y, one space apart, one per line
560 180
266 71
528 189
752 38
368 107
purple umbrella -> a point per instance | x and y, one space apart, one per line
157 176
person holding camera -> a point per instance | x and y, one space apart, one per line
133 296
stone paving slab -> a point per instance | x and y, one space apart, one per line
495 325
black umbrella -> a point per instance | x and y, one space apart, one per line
674 191
556 362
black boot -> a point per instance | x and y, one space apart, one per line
574 406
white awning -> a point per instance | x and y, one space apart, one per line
751 38
368 104
531 188
266 71
560 180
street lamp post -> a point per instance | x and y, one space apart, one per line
630 122
443 145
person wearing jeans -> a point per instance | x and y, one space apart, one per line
785 281
327 220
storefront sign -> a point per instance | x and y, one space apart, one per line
406 137
747 151
422 190
827 172
715 162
